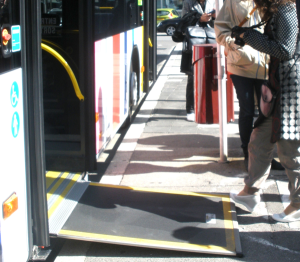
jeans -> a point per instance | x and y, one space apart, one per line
245 87
190 94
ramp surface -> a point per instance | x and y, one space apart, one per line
174 220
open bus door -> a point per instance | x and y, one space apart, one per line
15 214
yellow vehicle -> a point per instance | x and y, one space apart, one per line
166 13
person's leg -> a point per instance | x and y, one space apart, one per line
289 155
257 85
260 156
245 93
190 95
190 99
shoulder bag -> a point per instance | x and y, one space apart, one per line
269 95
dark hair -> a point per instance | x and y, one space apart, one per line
269 7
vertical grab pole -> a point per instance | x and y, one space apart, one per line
222 96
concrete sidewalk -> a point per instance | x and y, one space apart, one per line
162 150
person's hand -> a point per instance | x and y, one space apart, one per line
205 18
238 31
214 14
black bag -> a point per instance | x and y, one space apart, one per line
189 19
210 35
268 94
195 35
186 65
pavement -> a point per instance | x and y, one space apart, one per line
163 150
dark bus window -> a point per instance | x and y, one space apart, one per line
9 15
60 31
116 16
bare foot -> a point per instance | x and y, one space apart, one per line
290 210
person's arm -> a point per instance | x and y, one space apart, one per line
283 47
223 25
185 8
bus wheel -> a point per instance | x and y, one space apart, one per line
133 98
133 89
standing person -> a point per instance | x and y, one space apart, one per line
248 67
281 42
203 7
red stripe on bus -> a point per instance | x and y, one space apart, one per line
116 78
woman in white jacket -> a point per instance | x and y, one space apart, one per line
248 67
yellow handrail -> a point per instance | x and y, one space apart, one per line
67 67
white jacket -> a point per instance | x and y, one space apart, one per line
242 61
189 5
193 5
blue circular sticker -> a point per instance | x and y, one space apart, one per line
15 124
14 94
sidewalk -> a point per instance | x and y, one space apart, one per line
162 150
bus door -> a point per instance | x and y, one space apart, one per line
14 184
65 54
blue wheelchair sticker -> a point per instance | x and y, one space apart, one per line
15 124
14 94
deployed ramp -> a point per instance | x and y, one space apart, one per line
173 220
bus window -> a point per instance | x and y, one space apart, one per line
115 16
60 31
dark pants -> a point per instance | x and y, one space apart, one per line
245 87
190 94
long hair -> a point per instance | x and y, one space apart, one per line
270 7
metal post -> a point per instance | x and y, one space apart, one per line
222 96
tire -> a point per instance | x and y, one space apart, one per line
133 89
133 98
170 30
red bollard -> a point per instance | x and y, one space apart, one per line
206 86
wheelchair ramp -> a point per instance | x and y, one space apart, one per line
172 220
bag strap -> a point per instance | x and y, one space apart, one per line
247 17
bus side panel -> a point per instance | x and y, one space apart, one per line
103 90
116 79
128 52
112 80
13 228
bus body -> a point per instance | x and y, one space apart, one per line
119 65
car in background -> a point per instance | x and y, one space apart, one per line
166 13
168 26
